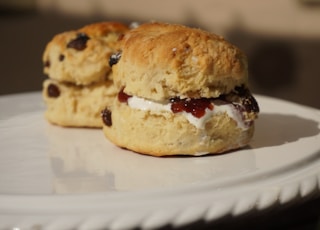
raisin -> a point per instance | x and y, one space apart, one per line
123 97
106 117
61 57
247 101
53 90
47 64
79 43
114 58
250 104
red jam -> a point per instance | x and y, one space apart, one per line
197 107
123 97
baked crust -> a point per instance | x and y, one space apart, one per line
159 61
86 62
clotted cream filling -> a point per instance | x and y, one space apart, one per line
143 104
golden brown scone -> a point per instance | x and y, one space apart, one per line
77 106
180 61
81 56
180 91
165 133
77 64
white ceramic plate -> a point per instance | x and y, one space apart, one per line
59 178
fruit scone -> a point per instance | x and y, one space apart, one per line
80 79
180 91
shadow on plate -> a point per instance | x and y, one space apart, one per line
277 129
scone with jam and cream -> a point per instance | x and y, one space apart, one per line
181 91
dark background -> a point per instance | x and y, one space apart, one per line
282 65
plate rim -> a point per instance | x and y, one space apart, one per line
210 205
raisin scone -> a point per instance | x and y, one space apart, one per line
80 79
181 91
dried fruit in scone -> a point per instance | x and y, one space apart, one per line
80 78
81 56
180 91
72 105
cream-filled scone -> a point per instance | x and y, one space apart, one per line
77 64
180 91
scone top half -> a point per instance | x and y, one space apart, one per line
81 56
160 61
181 91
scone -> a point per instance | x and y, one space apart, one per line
77 106
181 91
80 80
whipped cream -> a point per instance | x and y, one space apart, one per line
156 107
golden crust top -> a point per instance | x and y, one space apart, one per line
81 56
104 28
160 61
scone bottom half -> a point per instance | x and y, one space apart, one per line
189 126
181 91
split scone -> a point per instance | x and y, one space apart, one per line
181 91
80 81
